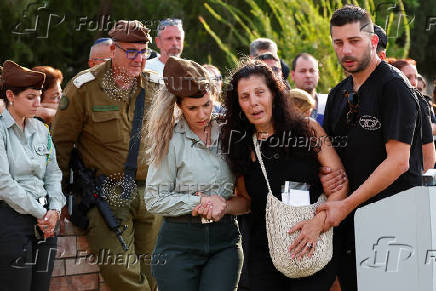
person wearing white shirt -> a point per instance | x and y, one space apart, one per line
169 41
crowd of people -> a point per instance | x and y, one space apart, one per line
176 148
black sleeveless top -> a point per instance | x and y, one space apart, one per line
298 165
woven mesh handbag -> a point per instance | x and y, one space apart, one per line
280 218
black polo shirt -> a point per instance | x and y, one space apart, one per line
427 133
388 109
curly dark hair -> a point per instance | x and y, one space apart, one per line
236 133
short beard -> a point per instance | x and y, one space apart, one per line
363 64
170 54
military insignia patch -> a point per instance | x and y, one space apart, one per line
64 102
83 79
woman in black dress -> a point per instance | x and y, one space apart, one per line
293 148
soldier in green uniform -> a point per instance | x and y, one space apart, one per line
95 114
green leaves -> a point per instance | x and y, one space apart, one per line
217 31
300 26
296 26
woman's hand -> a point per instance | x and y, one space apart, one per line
305 243
203 209
332 180
48 223
211 207
47 111
219 207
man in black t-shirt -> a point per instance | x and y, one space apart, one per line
378 113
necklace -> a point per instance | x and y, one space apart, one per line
113 91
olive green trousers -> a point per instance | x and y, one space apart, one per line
125 270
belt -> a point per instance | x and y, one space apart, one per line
197 219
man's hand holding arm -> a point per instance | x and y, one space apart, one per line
395 164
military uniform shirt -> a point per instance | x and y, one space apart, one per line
97 124
28 167
188 167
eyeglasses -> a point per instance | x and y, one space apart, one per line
266 56
132 54
353 105
169 22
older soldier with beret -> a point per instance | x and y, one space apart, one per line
95 115
191 185
30 185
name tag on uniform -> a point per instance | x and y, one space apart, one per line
99 108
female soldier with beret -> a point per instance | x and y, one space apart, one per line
30 185
188 177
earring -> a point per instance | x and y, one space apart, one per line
12 103
240 116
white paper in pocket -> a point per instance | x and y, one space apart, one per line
299 197
285 197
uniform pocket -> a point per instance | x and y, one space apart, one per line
106 126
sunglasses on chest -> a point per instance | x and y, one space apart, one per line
353 107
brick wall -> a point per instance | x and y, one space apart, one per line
72 272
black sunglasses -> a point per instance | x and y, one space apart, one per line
169 22
353 107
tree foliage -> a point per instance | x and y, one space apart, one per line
298 26
217 31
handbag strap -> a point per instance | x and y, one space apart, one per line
259 158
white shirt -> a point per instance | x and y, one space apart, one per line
155 65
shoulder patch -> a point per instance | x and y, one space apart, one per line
83 79
153 77
64 102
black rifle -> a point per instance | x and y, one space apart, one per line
89 184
